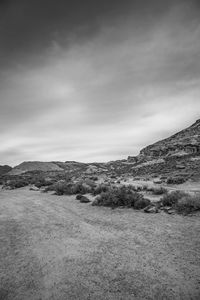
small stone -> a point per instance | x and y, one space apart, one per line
84 199
151 209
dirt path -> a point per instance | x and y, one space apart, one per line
57 248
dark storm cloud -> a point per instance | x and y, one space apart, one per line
95 80
29 26
26 27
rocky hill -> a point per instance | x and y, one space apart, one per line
179 153
182 143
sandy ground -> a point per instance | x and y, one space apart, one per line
57 248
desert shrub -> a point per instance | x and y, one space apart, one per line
2 181
62 188
100 188
176 180
172 198
118 196
159 190
149 188
94 178
68 188
136 188
106 199
43 182
127 197
80 188
188 204
49 188
89 182
142 203
145 187
17 183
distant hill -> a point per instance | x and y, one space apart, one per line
5 169
29 166
68 167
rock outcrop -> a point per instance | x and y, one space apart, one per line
178 154
185 142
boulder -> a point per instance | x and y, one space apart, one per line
34 189
151 209
79 196
169 210
84 199
157 181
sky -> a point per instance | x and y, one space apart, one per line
95 80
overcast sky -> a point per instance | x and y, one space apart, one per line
95 80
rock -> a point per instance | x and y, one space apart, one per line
151 209
84 199
34 189
96 201
157 181
169 210
79 196
180 166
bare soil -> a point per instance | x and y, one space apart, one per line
58 248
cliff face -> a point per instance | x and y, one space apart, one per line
183 143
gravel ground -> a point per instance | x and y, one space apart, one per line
58 248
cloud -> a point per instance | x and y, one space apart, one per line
119 89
